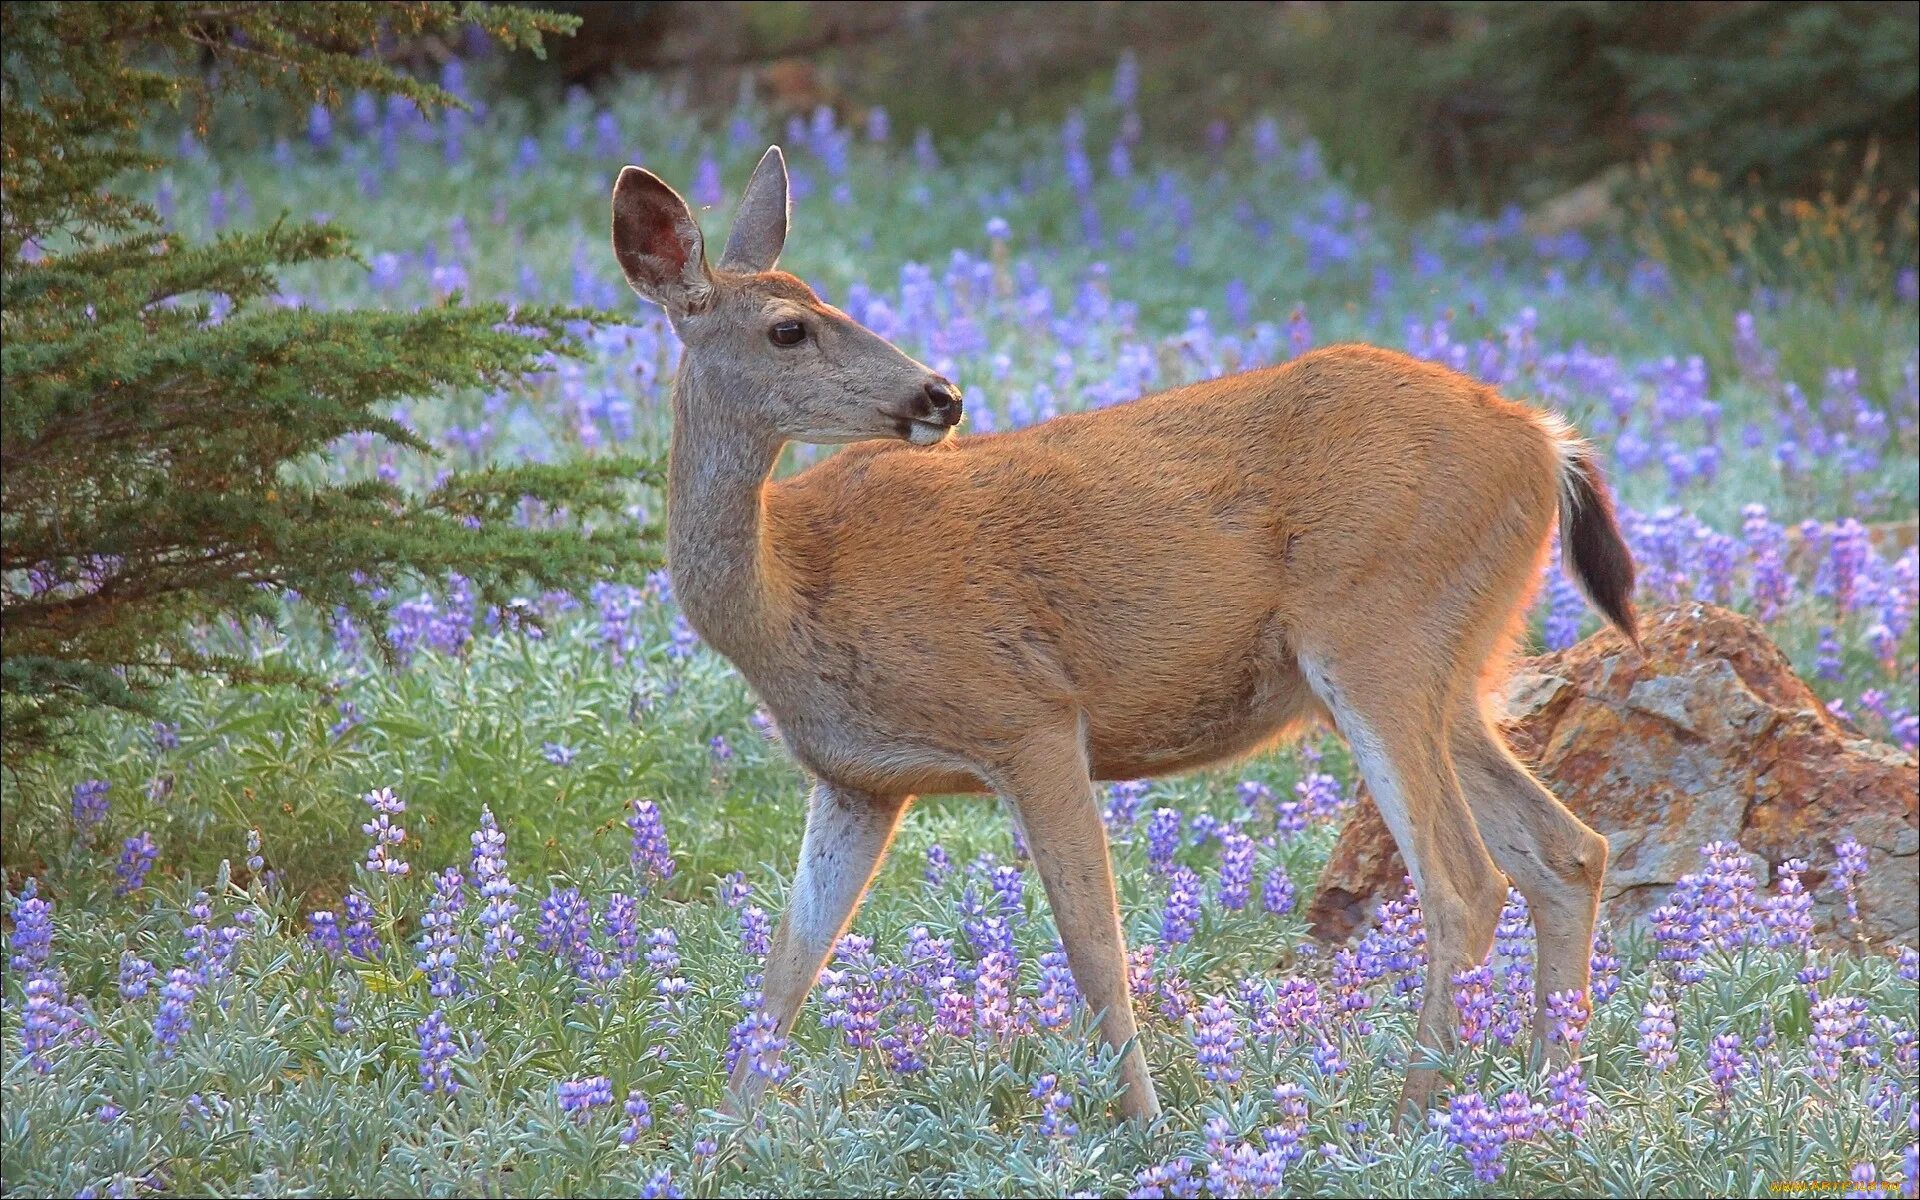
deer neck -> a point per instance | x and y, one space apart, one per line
724 573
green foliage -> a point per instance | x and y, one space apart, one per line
163 416
1493 101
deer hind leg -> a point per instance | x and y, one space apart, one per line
847 835
1051 790
1553 858
1396 728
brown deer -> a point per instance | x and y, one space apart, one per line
1138 590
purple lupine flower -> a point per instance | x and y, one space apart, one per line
1253 796
1605 964
1350 980
756 932
1057 993
757 1036
1677 930
852 999
1864 1178
1850 867
199 935
1787 915
136 975
1399 942
649 855
557 754
1009 889
1910 964
174 1016
1163 837
1173 1178
1726 895
1055 1103
1571 1100
1236 870
32 938
1566 608
579 1097
1827 662
1217 1041
682 641
1657 1029
1725 1065
165 735
1277 894
439 938
939 866
1296 1006
1327 1059
564 925
1812 974
993 993
1204 827
40 1021
436 1055
385 834
639 1116
1322 795
905 1043
1473 997
323 930
362 941
343 1023
1769 581
90 805
1123 803
1835 1021
623 928
497 891
1568 1013
663 952
1841 573
952 1009
1521 1118
1182 911
735 889
1479 1133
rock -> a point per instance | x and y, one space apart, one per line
1711 736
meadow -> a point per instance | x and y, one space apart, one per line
487 920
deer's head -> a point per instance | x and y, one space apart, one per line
762 344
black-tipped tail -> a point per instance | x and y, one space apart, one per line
1596 553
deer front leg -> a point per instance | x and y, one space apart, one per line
847 835
1055 799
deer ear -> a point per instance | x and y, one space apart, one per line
760 223
658 243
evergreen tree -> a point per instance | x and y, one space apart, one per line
159 458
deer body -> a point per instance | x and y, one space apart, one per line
1151 569
1138 590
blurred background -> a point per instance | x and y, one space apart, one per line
1463 104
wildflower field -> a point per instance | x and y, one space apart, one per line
488 920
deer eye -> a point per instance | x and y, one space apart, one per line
788 333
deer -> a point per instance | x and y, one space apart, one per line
1138 590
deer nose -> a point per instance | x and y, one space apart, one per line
943 402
